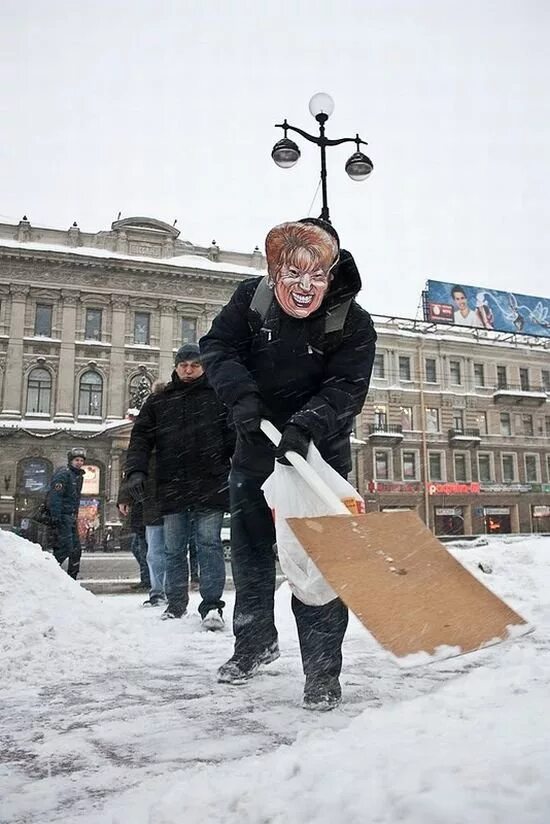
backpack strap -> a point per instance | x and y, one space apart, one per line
335 320
262 299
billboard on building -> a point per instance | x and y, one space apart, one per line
482 308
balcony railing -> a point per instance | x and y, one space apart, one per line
524 394
385 433
464 437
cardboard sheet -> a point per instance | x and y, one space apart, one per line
403 585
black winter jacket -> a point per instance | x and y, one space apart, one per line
302 376
147 512
187 425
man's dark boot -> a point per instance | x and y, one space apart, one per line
240 668
322 692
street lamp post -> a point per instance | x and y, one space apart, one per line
286 153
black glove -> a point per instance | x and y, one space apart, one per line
294 439
247 415
135 486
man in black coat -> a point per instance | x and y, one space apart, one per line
187 425
63 501
302 359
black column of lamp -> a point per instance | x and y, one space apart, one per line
286 153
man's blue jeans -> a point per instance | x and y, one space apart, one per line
139 551
177 530
156 559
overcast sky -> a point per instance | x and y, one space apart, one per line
167 109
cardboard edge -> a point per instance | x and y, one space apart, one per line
419 659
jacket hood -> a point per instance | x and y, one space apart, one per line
346 281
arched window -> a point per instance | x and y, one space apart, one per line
39 392
140 389
33 476
90 394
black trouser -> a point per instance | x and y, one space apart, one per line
66 544
320 629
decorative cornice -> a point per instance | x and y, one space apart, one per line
70 298
19 290
120 302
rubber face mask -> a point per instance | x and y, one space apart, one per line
300 259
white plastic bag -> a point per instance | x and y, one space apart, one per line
289 496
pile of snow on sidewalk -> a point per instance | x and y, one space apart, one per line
47 621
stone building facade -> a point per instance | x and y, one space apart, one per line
87 322
457 427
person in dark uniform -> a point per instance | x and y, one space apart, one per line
63 501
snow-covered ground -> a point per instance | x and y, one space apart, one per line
108 714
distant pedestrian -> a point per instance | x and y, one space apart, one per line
132 511
187 426
108 539
63 501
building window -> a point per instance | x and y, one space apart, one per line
455 372
531 469
436 466
142 321
188 330
458 420
505 423
43 320
481 420
378 369
382 465
484 468
524 380
39 392
502 381
547 425
545 375
90 394
431 370
432 420
479 374
527 425
548 468
508 469
380 418
409 466
404 368
460 467
407 421
93 324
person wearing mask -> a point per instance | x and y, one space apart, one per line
295 348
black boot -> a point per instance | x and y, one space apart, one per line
322 692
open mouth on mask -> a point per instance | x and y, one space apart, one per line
301 300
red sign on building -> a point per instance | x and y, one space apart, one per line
453 489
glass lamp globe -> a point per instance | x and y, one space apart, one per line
321 103
359 166
285 153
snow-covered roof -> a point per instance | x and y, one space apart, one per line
182 261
